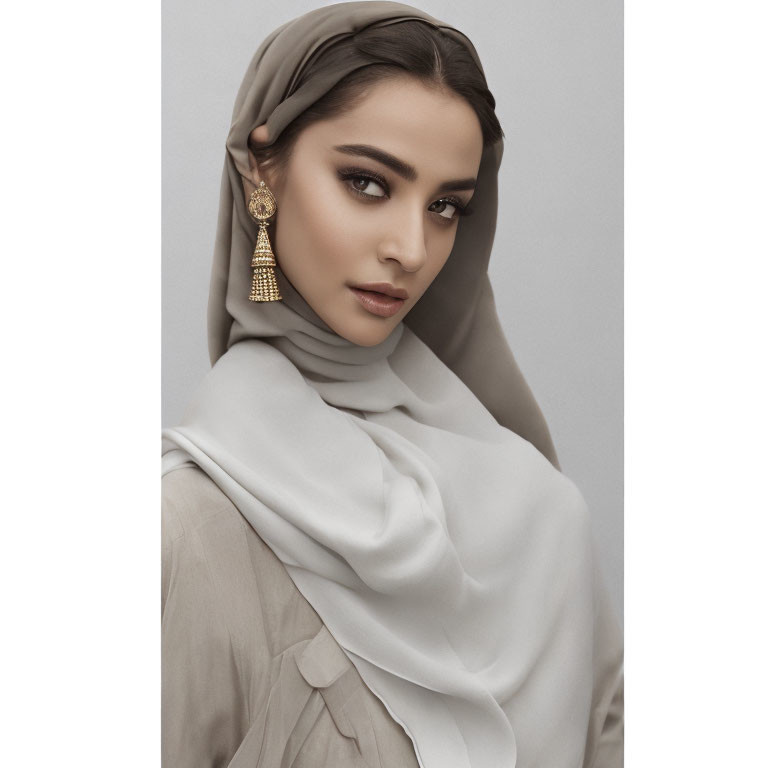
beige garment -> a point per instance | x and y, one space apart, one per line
250 674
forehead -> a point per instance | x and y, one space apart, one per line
433 130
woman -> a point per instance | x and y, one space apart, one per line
370 556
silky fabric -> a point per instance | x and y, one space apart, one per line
440 545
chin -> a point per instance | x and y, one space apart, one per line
372 341
365 333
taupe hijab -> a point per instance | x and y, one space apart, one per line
408 487
466 335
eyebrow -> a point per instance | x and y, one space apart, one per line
401 168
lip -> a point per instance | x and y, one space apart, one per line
377 303
387 288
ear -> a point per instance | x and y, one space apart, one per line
257 136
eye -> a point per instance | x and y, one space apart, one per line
363 184
454 206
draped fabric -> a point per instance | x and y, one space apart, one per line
410 488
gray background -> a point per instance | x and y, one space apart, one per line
556 71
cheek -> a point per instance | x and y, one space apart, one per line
327 231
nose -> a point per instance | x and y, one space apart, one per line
405 241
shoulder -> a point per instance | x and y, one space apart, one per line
191 499
208 543
203 533
213 620
200 519
190 503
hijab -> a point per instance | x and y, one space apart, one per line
410 488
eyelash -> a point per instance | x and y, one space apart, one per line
358 173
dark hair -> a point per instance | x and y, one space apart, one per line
412 48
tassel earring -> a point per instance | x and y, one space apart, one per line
262 206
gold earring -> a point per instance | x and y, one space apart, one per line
262 206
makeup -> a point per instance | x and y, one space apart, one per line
378 303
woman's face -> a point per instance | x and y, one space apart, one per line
346 219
